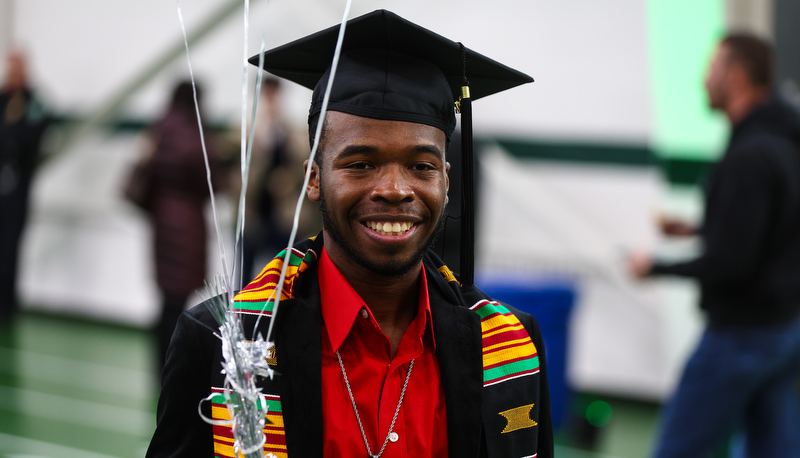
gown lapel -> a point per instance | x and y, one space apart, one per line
298 351
458 347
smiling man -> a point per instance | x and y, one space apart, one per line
379 350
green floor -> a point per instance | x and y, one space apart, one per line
77 389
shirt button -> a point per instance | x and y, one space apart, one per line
364 313
393 436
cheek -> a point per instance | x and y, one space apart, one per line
438 199
339 195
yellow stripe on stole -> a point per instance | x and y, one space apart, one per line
226 450
223 446
229 441
267 290
261 294
508 354
275 421
222 449
508 343
218 438
221 413
490 326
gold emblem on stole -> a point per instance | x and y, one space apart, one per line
518 418
271 360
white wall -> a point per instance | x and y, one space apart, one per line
589 59
541 218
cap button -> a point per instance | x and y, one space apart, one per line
393 436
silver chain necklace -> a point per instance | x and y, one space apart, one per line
355 409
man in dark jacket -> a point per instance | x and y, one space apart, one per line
378 350
22 124
743 375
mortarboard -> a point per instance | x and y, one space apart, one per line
393 69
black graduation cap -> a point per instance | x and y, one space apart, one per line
393 69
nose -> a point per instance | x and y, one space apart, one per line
392 185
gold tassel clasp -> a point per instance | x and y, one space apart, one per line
464 95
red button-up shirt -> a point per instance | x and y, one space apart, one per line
376 378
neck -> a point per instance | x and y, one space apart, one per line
393 301
742 103
394 304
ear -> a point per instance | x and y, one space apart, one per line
737 76
446 183
312 190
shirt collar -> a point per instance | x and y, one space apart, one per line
341 304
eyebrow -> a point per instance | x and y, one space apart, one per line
354 150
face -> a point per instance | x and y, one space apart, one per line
382 189
717 79
15 72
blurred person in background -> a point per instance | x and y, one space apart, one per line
22 124
177 200
274 184
743 375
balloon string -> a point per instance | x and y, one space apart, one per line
238 257
246 158
205 153
312 155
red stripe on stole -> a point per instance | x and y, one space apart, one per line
223 431
273 433
267 286
285 294
504 336
266 282
511 347
274 439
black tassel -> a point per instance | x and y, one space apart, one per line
467 248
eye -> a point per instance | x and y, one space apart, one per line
359 166
423 167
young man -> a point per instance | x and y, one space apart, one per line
744 372
379 350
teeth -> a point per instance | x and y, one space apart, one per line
387 228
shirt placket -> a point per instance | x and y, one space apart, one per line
396 447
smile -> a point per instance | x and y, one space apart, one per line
389 228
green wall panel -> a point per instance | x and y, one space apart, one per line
683 34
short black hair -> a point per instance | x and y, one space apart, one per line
753 54
313 120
